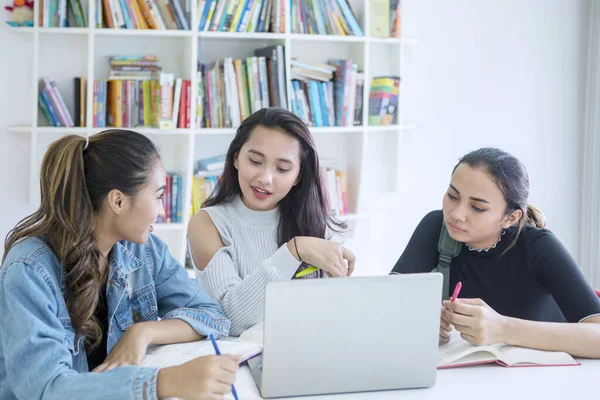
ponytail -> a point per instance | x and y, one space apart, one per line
535 217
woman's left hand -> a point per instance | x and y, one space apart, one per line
477 322
129 350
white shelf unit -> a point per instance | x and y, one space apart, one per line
368 154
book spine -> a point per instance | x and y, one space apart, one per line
209 17
55 102
124 13
356 30
47 109
167 15
180 15
188 105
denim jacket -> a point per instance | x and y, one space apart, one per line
41 356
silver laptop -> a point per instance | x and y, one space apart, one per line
349 335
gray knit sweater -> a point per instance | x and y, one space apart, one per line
238 273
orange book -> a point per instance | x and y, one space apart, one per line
396 25
108 20
241 89
141 20
145 9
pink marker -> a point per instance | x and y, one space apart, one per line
456 292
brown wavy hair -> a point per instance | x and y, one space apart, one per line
74 181
511 177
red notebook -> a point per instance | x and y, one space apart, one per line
457 352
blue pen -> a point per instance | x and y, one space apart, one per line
214 342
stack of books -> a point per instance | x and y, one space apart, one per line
327 94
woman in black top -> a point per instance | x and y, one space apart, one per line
520 286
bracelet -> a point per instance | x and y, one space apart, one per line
297 252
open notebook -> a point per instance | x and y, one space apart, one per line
175 354
457 352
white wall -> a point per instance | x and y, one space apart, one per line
484 73
508 74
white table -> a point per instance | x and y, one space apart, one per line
483 382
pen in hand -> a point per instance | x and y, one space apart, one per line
456 292
214 343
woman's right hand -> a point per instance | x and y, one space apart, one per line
208 377
445 328
327 255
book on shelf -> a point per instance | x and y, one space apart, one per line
143 14
324 17
335 186
385 18
138 94
173 199
383 100
241 16
207 173
62 14
327 94
79 99
231 90
53 105
457 352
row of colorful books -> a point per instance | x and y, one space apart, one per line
327 94
231 90
173 199
143 14
202 186
138 94
61 14
324 17
241 16
163 103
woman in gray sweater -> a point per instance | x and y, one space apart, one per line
268 220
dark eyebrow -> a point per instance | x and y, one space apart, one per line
163 187
472 198
258 153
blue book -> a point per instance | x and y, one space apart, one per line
180 15
126 16
46 111
55 121
243 23
204 15
313 93
323 104
349 17
179 198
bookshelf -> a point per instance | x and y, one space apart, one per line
368 154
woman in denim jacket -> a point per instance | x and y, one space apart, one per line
83 284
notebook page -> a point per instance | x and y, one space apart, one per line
453 351
512 355
179 353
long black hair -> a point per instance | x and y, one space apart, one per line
304 210
512 179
